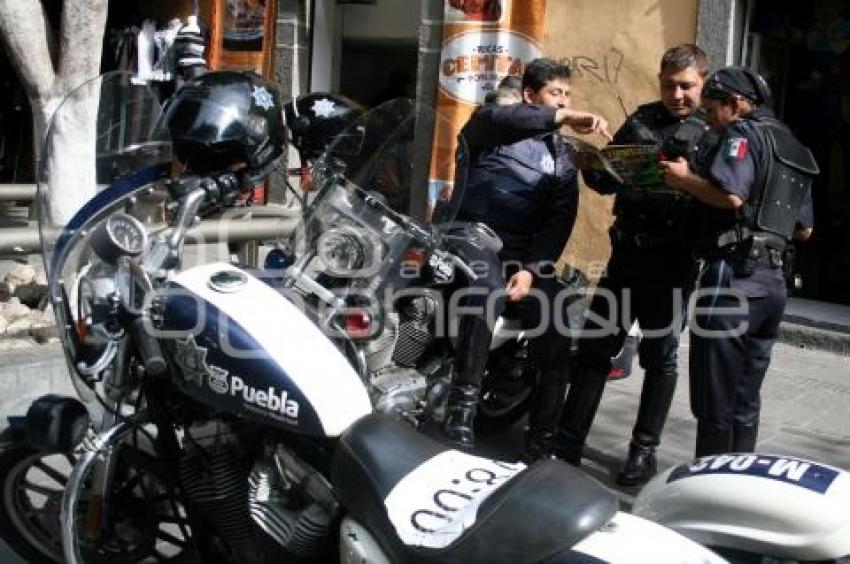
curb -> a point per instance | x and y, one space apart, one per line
808 337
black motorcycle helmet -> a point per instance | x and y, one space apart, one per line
738 81
316 119
222 119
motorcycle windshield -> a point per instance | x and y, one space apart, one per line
358 227
99 197
387 151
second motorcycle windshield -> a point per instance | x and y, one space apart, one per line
387 152
358 227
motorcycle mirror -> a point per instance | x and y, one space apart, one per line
56 424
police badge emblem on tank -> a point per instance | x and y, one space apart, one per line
262 97
217 379
191 359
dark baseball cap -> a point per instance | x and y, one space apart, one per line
736 81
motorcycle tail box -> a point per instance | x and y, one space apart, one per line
243 347
778 506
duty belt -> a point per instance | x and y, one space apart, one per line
643 240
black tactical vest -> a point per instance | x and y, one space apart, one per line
664 213
784 172
782 183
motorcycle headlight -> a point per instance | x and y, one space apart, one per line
346 252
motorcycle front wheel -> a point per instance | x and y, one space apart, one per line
506 392
144 525
32 485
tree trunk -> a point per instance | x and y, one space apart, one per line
49 74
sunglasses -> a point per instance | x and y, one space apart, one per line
716 91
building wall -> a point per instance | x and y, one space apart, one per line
613 48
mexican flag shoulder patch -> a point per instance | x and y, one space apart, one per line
735 148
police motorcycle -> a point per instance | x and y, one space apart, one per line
216 420
407 347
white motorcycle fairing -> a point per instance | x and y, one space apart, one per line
777 506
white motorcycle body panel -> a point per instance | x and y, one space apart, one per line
625 540
777 506
358 546
629 539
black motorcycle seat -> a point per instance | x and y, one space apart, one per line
538 514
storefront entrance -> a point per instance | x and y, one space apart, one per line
803 48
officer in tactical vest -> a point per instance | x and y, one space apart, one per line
522 183
757 198
648 272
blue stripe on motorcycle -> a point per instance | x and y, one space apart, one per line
792 471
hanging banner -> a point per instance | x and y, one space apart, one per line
483 41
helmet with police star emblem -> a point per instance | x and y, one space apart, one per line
224 119
316 119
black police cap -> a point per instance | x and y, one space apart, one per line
737 81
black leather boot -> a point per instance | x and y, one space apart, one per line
460 415
655 399
543 414
586 387
473 346
640 466
537 446
744 437
712 440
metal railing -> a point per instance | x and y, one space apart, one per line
271 224
25 240
17 192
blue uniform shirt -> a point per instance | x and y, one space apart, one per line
521 181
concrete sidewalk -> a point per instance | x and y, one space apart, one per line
804 414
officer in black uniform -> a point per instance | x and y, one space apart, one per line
521 183
647 275
757 198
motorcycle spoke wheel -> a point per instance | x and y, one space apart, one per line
144 521
32 492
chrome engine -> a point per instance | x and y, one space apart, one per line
275 501
396 386
291 502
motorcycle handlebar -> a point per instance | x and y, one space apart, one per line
148 348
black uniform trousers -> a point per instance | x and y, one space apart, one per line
731 341
543 313
647 284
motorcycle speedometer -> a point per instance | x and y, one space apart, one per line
120 235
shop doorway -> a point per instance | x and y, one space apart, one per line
803 49
379 47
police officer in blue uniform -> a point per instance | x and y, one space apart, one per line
757 198
648 272
522 184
